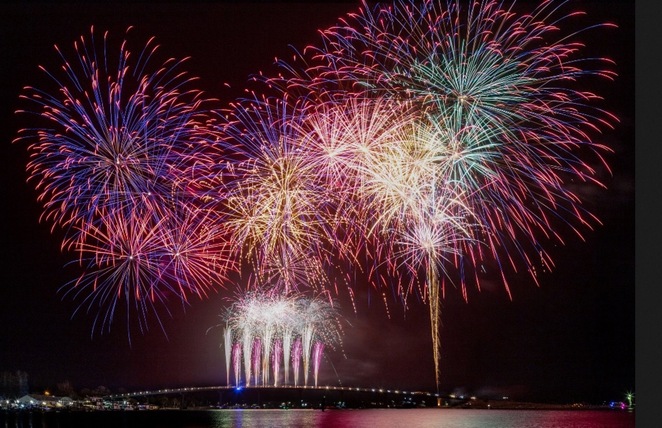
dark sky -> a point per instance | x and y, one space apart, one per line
571 339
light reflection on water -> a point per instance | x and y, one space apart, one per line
424 418
295 418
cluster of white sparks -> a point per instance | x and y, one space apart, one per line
276 338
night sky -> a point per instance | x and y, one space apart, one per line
571 339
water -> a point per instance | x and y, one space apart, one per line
295 418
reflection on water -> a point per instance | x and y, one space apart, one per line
367 418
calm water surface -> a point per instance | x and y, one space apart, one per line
367 418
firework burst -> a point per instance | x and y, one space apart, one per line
147 263
115 134
495 91
114 162
499 120
278 210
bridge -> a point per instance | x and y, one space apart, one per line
290 396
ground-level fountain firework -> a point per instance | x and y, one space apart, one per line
264 333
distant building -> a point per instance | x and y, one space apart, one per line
44 401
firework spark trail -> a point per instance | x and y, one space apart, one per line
287 347
318 351
267 338
247 348
277 360
296 359
236 363
255 357
227 345
307 346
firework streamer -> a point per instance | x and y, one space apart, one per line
318 351
227 346
287 347
247 343
296 359
306 349
276 359
267 339
236 362
256 359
